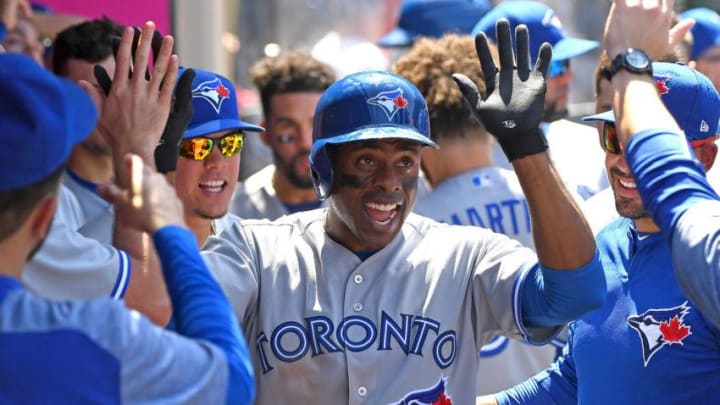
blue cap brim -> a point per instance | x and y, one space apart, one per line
372 134
396 37
607 116
568 48
219 126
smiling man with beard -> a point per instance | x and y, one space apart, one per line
290 86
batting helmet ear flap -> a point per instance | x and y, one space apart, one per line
322 173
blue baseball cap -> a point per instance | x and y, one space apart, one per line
43 118
690 97
434 18
215 107
706 31
543 26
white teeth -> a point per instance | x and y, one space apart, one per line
627 184
214 186
382 207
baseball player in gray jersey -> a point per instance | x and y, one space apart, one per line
290 86
467 188
97 351
85 255
365 302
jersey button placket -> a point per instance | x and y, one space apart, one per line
358 279
357 307
362 391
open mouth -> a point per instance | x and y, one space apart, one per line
382 214
214 186
627 183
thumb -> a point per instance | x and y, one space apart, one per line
680 30
112 194
468 89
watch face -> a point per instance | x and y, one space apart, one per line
637 60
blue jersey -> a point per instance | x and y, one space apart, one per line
647 344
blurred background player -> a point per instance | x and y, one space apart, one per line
209 155
431 19
97 350
467 188
572 146
705 53
290 86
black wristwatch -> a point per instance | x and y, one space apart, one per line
634 61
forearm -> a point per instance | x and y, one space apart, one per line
563 239
669 178
201 309
638 106
696 256
146 290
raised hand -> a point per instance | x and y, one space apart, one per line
513 105
136 109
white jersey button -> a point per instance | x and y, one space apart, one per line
358 307
359 278
362 391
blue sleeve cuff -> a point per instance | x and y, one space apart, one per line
553 297
669 177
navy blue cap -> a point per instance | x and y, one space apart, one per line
705 32
690 97
215 106
543 26
434 18
43 118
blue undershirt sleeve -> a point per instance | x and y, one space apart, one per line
201 310
670 179
555 385
553 297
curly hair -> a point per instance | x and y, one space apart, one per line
294 71
429 65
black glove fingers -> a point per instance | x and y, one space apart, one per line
102 78
487 63
183 94
544 58
522 40
504 42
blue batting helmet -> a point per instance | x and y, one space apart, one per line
361 107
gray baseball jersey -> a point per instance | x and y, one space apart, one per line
327 327
108 350
576 155
255 198
491 198
77 260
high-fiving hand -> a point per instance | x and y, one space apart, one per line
513 105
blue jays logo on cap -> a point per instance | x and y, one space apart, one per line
660 327
661 83
431 396
391 101
213 91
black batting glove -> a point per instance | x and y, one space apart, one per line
166 153
513 106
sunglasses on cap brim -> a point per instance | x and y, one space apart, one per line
201 147
610 142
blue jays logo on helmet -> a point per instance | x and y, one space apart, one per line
212 91
660 327
434 395
390 102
